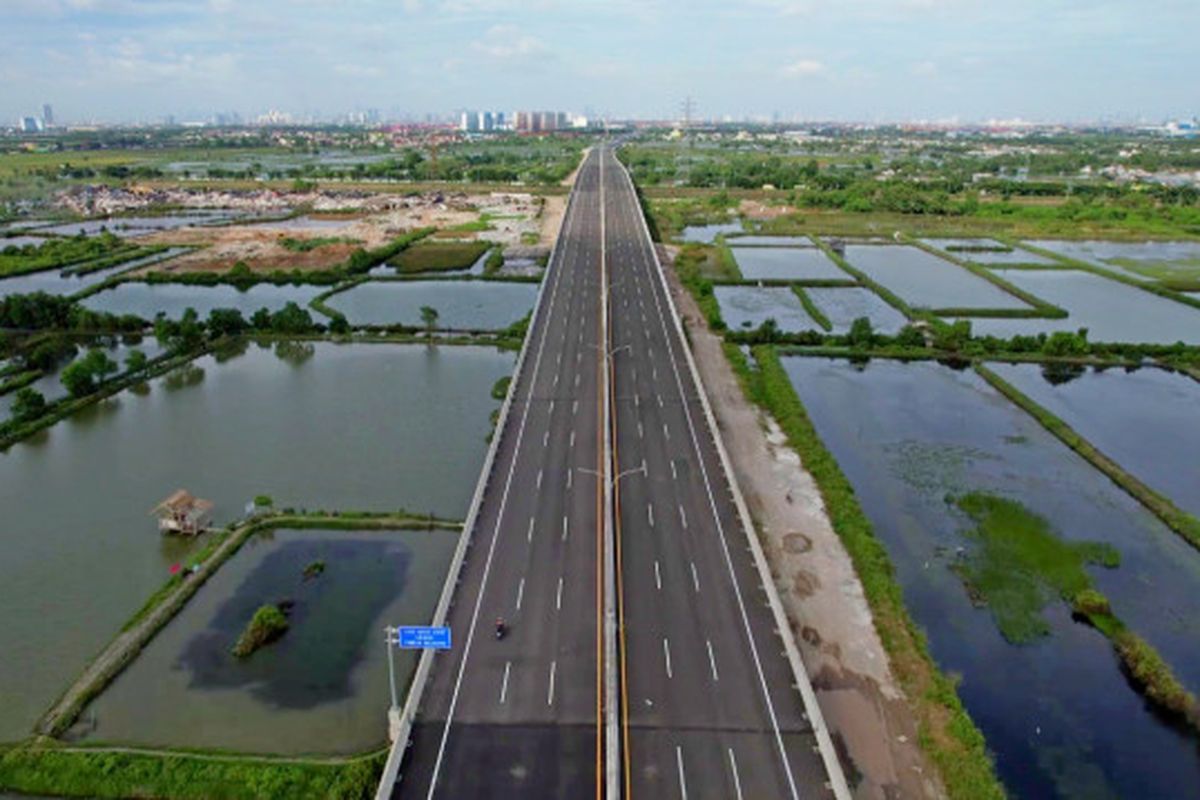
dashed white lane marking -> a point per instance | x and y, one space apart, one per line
682 779
546 439
674 474
576 380
737 781
712 660
564 527
570 472
550 691
529 536
695 577
551 408
572 440
558 596
650 514
539 479
574 406
667 657
683 517
657 576
504 683
520 593
666 431
659 398
641 431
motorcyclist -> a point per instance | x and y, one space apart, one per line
500 627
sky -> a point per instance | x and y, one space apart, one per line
847 60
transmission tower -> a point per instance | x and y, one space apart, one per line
688 107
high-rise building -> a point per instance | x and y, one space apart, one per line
48 115
30 125
487 122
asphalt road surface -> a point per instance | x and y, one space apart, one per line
707 699
520 717
711 710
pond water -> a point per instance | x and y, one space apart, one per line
461 305
50 386
1058 713
924 280
756 240
1012 256
63 282
364 426
1111 311
305 223
138 226
148 299
322 687
707 234
1108 254
746 307
843 306
787 263
1147 420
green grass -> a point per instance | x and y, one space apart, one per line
945 729
1178 520
692 264
62 252
305 245
1021 565
439 256
500 388
79 773
818 316
1182 275
268 624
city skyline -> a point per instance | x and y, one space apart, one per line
112 61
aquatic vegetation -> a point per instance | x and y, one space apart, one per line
267 625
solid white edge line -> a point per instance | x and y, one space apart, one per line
386 786
833 767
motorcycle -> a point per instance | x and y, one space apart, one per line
501 629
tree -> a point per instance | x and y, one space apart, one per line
225 322
82 376
339 325
136 361
429 316
28 404
291 319
861 333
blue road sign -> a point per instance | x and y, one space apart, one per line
423 637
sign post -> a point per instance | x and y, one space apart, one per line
412 637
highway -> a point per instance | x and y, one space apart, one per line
705 698
521 717
710 708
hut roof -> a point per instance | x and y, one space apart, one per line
182 501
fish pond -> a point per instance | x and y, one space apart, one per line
1110 310
746 307
1142 260
786 263
64 282
924 280
987 251
1147 420
50 384
172 299
372 427
1057 710
707 234
844 305
461 305
322 687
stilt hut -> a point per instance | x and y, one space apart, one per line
183 513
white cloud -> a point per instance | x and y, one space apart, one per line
803 68
508 43
925 69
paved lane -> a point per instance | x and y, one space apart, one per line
521 717
711 706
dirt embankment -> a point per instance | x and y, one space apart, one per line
866 711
